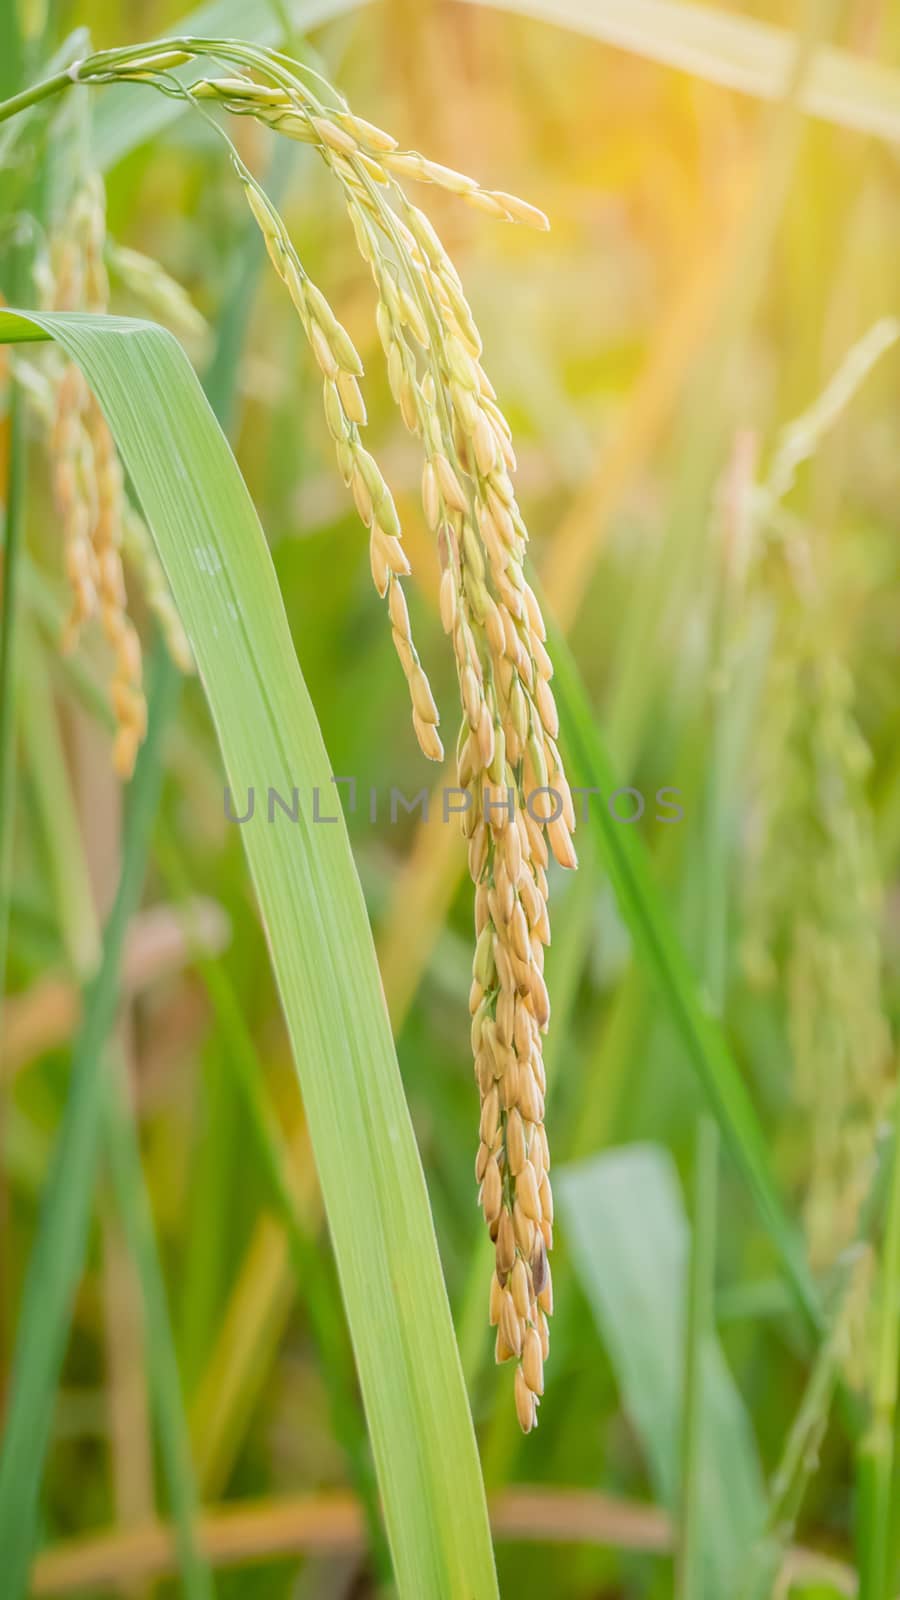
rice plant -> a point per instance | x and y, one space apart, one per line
247 1336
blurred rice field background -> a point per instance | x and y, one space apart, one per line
701 365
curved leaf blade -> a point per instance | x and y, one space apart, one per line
218 565
737 52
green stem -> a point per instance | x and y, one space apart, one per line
800 1455
123 1153
698 1332
13 524
37 93
876 1460
105 61
12 547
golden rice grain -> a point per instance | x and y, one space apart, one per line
520 809
87 475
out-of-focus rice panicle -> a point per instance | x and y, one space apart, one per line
162 295
73 494
813 914
87 476
813 902
126 690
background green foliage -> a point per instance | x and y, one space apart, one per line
712 260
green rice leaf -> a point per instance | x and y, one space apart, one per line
223 582
735 51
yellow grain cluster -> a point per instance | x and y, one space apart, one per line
345 414
290 107
519 808
87 476
88 483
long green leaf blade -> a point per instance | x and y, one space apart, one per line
738 52
223 582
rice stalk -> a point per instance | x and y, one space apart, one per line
13 529
516 805
801 1452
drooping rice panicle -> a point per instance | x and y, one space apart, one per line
162 295
294 111
345 414
506 748
509 764
518 805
